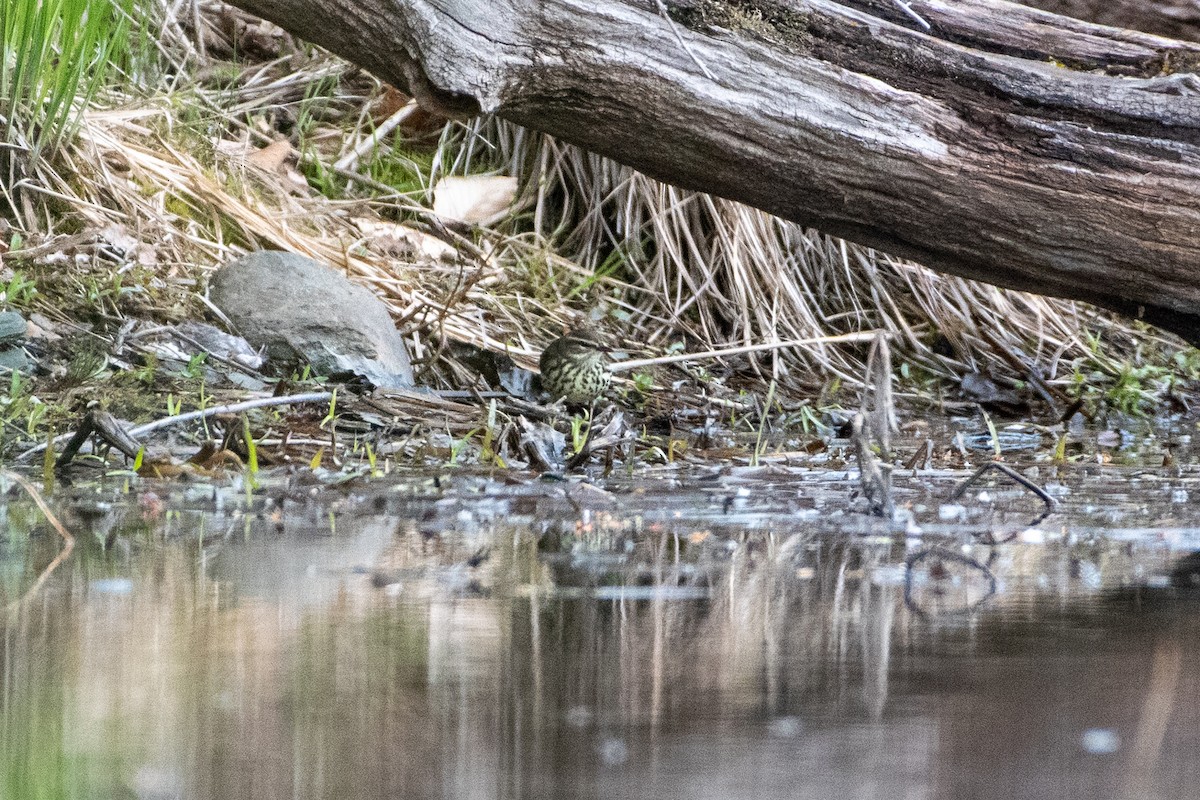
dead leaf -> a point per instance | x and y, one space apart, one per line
272 157
474 199
146 255
391 101
401 241
118 238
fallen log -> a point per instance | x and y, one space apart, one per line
977 137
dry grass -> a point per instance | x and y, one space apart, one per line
180 170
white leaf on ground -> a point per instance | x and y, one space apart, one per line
474 199
401 241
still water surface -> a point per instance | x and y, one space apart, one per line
739 636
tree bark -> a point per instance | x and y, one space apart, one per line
1004 144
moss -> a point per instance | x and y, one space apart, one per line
764 20
1176 61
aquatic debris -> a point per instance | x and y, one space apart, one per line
217 345
66 535
128 438
541 444
949 589
874 477
108 429
104 426
1008 440
1100 741
615 431
1049 503
119 587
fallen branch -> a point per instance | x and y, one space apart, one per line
636 363
179 419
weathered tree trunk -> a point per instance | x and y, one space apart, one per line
1005 144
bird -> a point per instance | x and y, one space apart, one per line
573 368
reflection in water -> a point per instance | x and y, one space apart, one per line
378 658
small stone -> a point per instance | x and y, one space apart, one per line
14 359
12 327
296 309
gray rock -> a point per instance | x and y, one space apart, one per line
12 335
12 327
14 358
296 309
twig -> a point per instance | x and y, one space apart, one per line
68 539
234 408
1051 505
635 363
874 477
878 405
166 422
662 12
107 427
371 141
907 9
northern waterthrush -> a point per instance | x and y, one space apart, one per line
573 368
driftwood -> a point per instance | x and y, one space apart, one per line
1002 143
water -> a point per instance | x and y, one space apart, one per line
738 635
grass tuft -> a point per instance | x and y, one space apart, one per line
57 55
